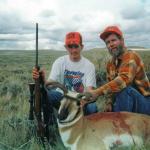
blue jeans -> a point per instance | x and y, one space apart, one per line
55 97
129 99
90 108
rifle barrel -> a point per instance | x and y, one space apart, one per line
36 63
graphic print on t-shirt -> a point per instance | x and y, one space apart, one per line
73 80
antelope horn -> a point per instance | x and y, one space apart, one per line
68 94
73 96
54 84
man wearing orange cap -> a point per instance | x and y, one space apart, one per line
128 83
73 70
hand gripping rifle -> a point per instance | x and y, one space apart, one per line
40 108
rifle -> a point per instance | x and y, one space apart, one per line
40 109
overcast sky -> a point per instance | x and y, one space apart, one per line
57 17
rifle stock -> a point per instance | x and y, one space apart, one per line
31 100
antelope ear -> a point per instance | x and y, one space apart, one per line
85 96
72 94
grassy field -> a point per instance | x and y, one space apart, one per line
16 131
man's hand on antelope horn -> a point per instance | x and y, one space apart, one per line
86 96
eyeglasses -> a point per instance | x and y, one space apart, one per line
73 46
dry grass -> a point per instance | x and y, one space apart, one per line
16 131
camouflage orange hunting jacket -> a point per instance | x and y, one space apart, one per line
126 70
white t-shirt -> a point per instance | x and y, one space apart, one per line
74 75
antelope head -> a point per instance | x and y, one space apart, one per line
70 110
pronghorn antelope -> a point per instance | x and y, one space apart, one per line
100 131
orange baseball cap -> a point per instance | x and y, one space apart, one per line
110 29
73 38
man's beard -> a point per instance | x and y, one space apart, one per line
116 53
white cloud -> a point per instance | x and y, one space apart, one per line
56 18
